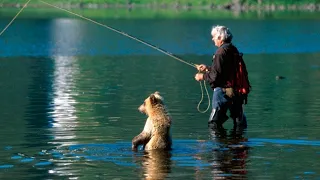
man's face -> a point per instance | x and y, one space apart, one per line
216 40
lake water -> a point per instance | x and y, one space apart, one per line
70 90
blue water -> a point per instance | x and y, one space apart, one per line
70 37
120 153
70 91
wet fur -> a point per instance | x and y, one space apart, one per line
156 132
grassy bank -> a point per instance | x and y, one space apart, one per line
193 2
312 5
145 13
163 9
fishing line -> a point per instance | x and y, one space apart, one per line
123 33
208 96
25 5
143 42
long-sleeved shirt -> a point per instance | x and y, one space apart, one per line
223 68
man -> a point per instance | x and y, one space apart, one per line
219 76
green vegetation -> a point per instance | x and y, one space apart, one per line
147 9
175 3
123 13
171 1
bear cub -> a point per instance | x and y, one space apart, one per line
156 132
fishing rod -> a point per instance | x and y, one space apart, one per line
145 43
24 6
125 34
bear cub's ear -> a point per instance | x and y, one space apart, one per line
153 99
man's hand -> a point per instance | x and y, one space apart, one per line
201 67
198 77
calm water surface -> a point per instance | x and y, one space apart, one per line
70 91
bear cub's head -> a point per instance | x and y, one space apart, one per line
151 103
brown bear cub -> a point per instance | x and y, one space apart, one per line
156 132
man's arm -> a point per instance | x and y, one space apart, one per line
212 76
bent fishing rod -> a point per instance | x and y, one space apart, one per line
7 26
125 34
145 43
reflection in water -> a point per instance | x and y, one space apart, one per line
229 159
65 69
66 36
156 164
63 110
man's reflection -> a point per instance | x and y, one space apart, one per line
229 157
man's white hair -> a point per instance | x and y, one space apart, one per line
222 32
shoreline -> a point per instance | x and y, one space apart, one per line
311 7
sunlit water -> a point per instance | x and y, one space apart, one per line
70 91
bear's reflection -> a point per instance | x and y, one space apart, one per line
156 164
